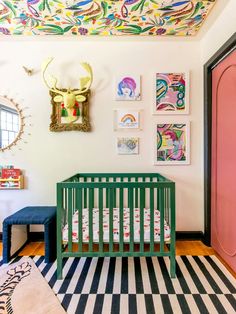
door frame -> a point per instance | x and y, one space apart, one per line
221 54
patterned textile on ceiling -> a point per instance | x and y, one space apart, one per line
106 18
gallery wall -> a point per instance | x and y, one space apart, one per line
49 157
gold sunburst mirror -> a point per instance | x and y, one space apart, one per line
11 123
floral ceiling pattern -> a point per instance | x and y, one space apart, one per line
106 18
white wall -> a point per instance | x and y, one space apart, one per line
49 157
222 22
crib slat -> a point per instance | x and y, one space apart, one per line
161 209
136 194
107 194
152 220
70 209
121 220
85 195
66 203
172 234
100 205
60 225
111 206
93 191
91 201
131 218
142 204
114 180
80 215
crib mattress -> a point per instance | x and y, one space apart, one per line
126 225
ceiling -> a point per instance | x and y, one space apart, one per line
104 18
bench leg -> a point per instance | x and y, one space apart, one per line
50 242
6 241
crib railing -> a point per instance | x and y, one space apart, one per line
120 191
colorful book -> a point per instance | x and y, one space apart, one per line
10 173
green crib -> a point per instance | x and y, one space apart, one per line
115 214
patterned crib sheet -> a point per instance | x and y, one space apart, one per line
126 225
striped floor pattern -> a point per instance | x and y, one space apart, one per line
142 285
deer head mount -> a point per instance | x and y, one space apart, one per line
70 106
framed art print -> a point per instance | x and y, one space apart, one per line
127 145
127 87
171 93
126 119
172 144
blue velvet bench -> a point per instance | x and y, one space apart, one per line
32 215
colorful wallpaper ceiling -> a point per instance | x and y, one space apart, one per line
96 17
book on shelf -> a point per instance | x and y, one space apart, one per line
10 173
11 179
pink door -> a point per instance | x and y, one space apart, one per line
223 197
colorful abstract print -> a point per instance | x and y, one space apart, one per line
170 92
171 143
96 17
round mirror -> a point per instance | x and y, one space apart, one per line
11 126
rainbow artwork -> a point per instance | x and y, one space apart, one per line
172 144
106 18
171 93
127 120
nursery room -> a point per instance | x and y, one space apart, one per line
116 156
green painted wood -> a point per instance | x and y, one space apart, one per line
152 231
131 218
100 205
136 195
116 184
80 215
142 204
66 202
161 209
172 232
111 206
121 212
59 229
127 181
114 196
93 203
91 200
70 214
107 185
114 254
85 191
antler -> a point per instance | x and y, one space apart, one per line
51 81
86 81
52 85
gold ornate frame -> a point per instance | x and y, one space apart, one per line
57 126
6 99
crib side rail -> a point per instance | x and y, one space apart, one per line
115 177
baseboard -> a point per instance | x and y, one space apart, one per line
36 236
189 235
180 235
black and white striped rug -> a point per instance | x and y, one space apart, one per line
142 285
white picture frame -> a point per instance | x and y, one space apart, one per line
127 145
128 87
171 90
172 143
127 119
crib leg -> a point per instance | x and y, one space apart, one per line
59 267
172 266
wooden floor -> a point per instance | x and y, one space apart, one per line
182 248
